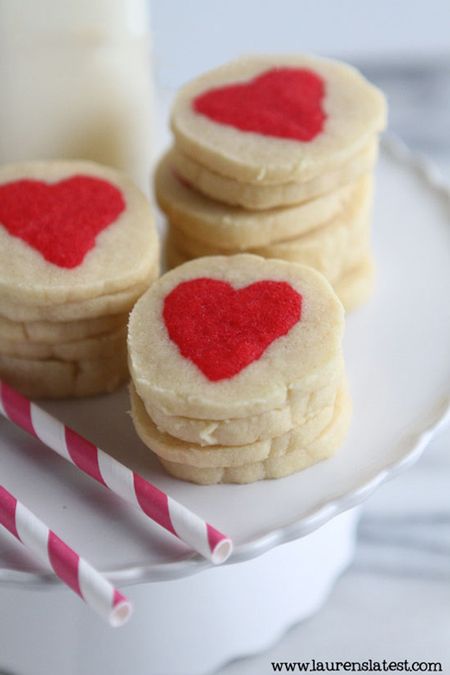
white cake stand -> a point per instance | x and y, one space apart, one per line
397 352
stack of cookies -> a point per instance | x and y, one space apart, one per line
274 156
78 247
237 369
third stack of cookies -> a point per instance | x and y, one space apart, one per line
274 155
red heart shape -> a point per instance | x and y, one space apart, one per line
282 102
222 330
60 220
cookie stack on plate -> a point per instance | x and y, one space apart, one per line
274 156
78 246
237 369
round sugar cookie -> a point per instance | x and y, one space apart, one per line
356 286
263 197
330 248
296 458
174 450
102 305
226 337
56 332
105 346
70 231
57 379
235 228
277 118
243 430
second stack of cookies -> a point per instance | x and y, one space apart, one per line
274 156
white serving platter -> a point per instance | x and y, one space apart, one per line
397 352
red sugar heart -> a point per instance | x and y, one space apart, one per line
223 330
60 220
282 102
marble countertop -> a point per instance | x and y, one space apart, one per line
394 601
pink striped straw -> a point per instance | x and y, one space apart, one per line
75 572
161 508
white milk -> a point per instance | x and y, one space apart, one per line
76 82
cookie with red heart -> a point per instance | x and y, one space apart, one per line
237 369
78 246
71 231
353 288
273 119
231 337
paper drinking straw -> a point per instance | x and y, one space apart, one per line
75 572
161 508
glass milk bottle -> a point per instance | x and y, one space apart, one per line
75 82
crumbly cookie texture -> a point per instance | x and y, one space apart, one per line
272 119
58 379
262 197
295 458
191 454
55 332
71 231
105 346
236 228
302 406
331 249
227 337
92 308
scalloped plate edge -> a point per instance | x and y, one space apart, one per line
414 448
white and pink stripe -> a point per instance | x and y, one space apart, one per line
161 508
74 571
